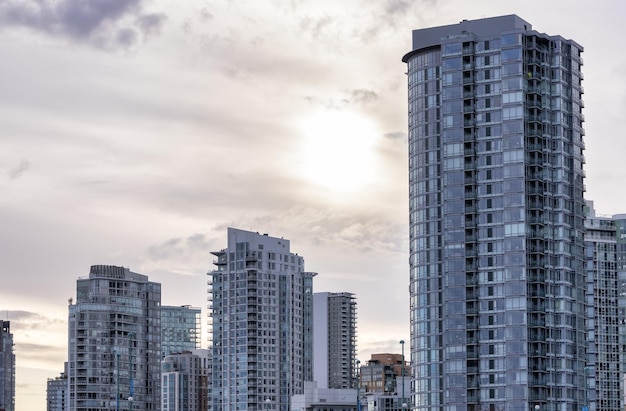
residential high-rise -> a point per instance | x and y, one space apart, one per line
180 329
497 277
114 341
184 381
620 249
56 393
261 301
7 368
606 274
334 340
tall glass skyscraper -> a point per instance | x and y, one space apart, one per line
7 368
497 280
114 345
261 305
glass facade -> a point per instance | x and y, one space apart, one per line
56 393
497 280
184 381
180 329
7 368
114 341
260 299
604 369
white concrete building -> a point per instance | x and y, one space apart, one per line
260 301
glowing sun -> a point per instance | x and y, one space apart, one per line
338 149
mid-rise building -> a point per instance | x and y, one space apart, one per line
185 381
497 277
334 340
381 372
114 341
180 329
7 368
56 393
385 382
261 299
315 398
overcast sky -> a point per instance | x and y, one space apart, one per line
135 132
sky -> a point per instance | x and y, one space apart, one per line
135 132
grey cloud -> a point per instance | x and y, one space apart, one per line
165 250
42 353
20 315
355 231
198 241
350 97
205 14
28 320
316 26
18 171
151 23
390 17
126 37
177 247
329 103
38 350
102 23
396 135
364 96
397 6
357 96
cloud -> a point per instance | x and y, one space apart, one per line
396 135
40 351
151 23
177 248
102 23
316 26
364 96
397 7
333 229
198 241
341 101
28 320
165 250
18 171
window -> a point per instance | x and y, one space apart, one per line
510 113
451 49
514 97
511 54
510 39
